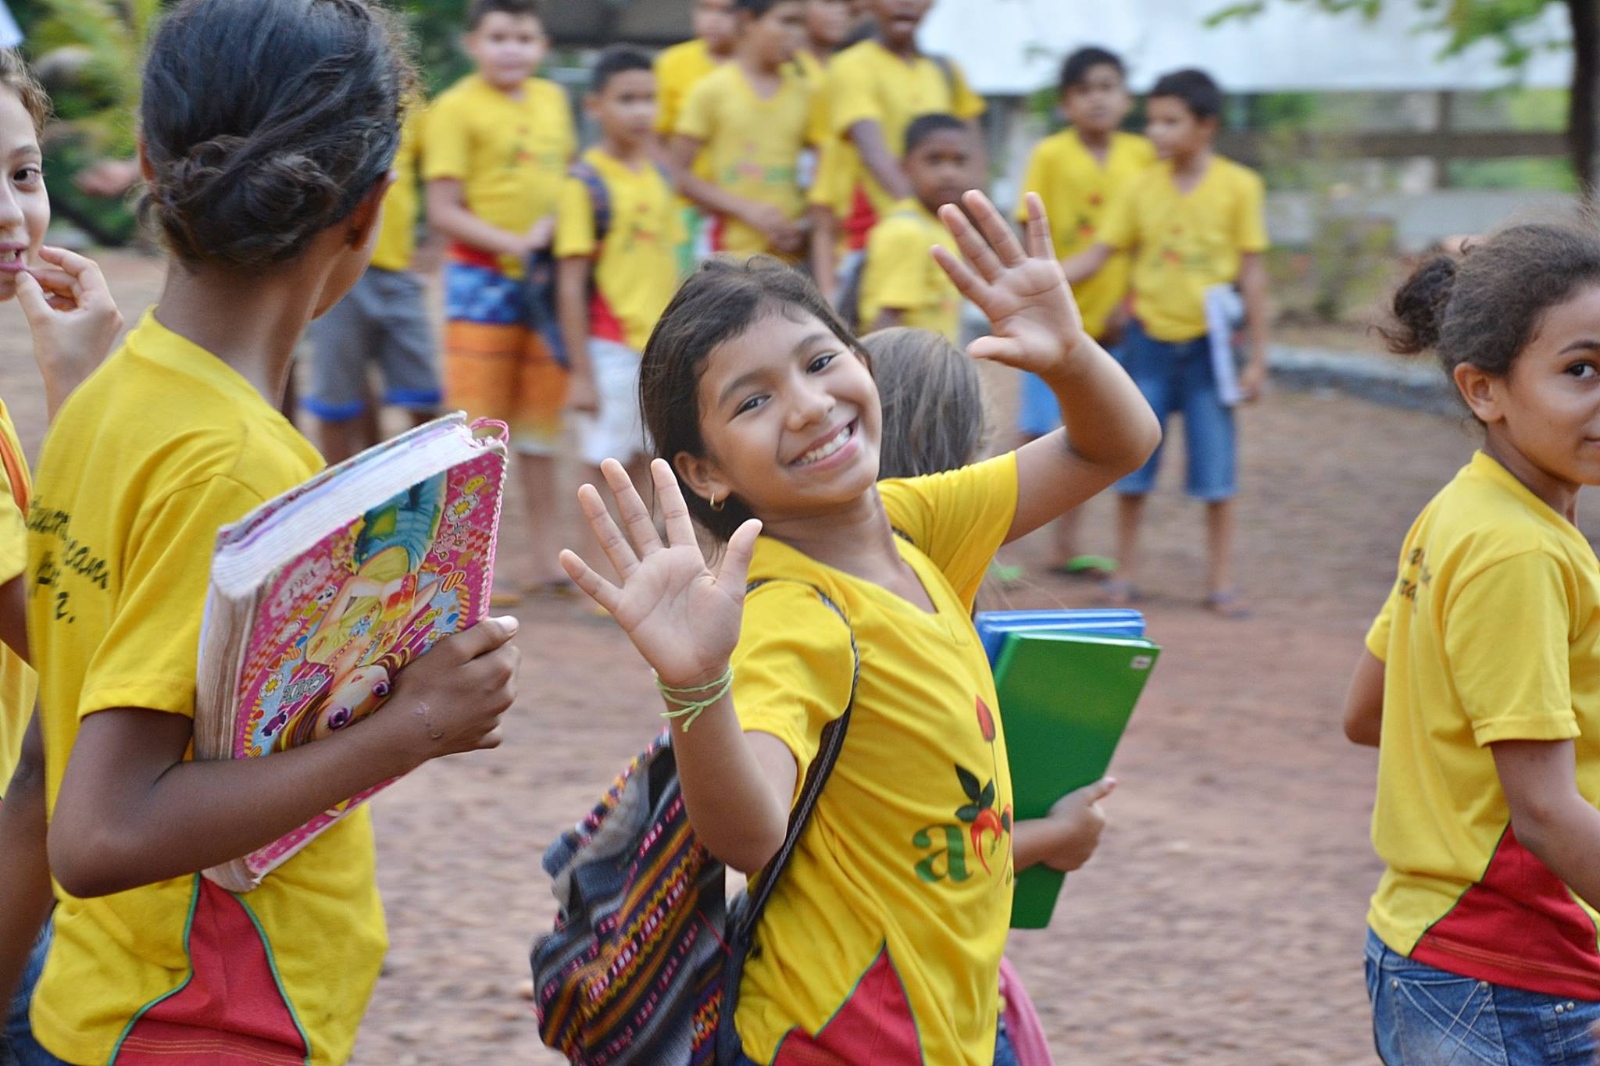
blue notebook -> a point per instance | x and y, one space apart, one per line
1112 621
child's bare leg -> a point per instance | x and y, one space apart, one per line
1066 534
340 440
1221 596
1130 514
539 498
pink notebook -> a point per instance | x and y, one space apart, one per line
319 597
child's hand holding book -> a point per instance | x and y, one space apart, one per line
451 698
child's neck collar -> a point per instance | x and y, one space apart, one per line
848 540
634 156
908 53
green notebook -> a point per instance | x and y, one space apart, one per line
1065 699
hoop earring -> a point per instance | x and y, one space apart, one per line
716 504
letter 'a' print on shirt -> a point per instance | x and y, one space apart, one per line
979 832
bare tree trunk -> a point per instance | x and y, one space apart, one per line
1583 110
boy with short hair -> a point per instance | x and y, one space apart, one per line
1193 221
612 286
1077 172
383 320
680 68
747 124
828 23
876 89
496 150
901 284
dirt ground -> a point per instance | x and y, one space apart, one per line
1221 921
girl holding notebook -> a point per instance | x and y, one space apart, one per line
267 131
768 424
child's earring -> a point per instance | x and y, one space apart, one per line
716 504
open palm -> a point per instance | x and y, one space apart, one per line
1034 319
681 615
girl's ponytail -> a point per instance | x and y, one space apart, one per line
1419 307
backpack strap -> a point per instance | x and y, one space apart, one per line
599 197
831 744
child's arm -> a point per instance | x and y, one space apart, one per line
1550 816
824 236
25 892
1109 428
133 810
1065 838
1363 701
447 213
785 235
1087 263
684 619
867 136
572 309
72 317
1253 286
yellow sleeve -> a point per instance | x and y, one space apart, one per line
1034 179
1119 225
151 650
669 91
698 118
1378 634
574 221
1507 629
830 170
965 104
445 144
792 667
853 100
819 124
13 534
1251 233
959 518
896 271
569 131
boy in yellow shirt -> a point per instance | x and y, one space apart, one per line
876 89
901 283
1191 223
384 319
678 70
616 267
495 154
1077 172
747 124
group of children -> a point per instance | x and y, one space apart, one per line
825 469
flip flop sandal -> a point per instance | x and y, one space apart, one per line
1227 604
1097 566
1118 592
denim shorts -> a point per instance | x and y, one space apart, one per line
17 1045
1038 410
1177 378
1423 1016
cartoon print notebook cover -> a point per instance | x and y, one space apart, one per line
319 597
1065 699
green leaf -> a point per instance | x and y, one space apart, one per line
969 813
986 799
970 784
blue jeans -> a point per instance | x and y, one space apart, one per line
1177 378
1003 1054
17 1045
1423 1016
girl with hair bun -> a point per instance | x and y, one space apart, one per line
268 128
1480 684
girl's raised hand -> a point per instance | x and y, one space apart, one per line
681 615
1035 321
73 319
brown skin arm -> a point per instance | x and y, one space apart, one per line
824 238
1253 287
25 892
783 234
867 135
132 810
572 310
1086 264
1363 701
1549 814
448 214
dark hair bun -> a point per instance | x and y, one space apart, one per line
1419 306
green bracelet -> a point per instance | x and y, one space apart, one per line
686 709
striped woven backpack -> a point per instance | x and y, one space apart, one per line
643 965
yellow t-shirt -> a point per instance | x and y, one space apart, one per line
1184 243
751 145
397 233
1492 633
162 446
636 272
867 81
1076 188
18 682
901 275
510 154
894 912
678 70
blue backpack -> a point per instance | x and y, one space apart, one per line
541 265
